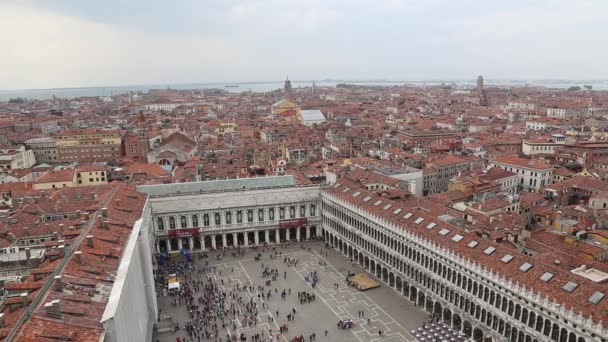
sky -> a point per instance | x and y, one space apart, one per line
77 43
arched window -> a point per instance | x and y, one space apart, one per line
195 220
160 223
182 222
206 220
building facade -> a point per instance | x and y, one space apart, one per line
45 149
16 157
445 270
533 174
228 213
88 144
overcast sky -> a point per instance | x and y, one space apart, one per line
72 43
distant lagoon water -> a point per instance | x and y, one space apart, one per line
42 94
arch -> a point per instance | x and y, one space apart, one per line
186 244
467 329
398 284
162 246
477 335
456 322
207 241
391 279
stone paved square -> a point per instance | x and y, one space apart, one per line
384 309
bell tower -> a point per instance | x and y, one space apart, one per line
287 89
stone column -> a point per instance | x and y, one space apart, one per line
157 246
203 247
235 242
191 243
246 239
168 245
277 236
213 244
257 237
224 241
287 235
307 233
267 235
298 234
179 243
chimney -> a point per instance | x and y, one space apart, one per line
61 249
104 212
61 228
24 300
57 283
78 255
26 231
78 211
2 323
28 253
11 236
87 215
53 308
90 241
55 235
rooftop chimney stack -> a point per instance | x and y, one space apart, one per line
24 300
57 283
87 215
2 323
78 255
53 308
104 212
90 242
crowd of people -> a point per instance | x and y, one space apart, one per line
218 309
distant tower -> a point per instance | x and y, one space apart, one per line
480 83
287 89
483 96
314 89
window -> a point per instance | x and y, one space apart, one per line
171 222
507 258
546 276
596 297
570 286
206 220
260 215
292 211
239 216
182 221
217 218
161 223
525 267
302 211
281 213
313 210
228 217
271 214
195 220
250 215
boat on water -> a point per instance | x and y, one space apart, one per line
231 86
